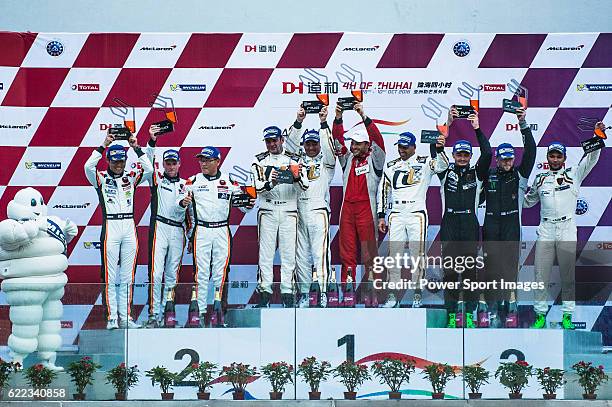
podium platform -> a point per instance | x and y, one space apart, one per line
259 336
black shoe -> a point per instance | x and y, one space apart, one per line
264 300
288 300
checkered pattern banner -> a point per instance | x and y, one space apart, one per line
57 91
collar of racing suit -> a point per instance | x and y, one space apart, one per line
171 179
213 177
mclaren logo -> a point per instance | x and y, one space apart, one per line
15 126
578 48
228 127
361 49
70 206
170 48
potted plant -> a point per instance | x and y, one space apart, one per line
39 377
122 378
514 376
203 374
393 372
475 376
239 376
6 369
165 378
81 372
278 374
589 378
550 380
314 372
352 375
438 375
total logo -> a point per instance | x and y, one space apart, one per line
604 245
170 48
577 48
72 206
92 245
43 165
582 206
545 166
461 48
214 127
86 87
515 127
361 49
594 87
1 85
55 48
174 87
15 126
260 48
494 87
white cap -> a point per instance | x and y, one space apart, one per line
359 136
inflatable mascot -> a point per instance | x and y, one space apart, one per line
32 264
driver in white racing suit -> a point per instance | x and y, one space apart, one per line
557 191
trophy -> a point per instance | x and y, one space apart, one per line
430 136
165 104
472 94
348 103
315 106
247 193
519 91
128 128
597 141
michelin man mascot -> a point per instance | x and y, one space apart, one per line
32 264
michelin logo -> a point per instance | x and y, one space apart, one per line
187 88
43 165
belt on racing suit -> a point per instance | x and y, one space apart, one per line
168 221
512 212
403 202
119 216
276 202
458 212
218 224
561 219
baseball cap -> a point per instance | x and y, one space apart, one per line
462 145
504 150
116 152
556 146
171 155
209 152
311 135
406 139
272 132
359 136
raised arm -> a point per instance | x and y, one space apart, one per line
484 161
529 152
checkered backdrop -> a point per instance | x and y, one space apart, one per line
56 91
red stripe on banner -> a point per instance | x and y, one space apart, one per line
186 117
10 158
503 52
238 87
599 57
106 50
208 50
245 246
410 51
383 122
35 87
64 126
136 86
10 191
309 50
15 47
75 174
